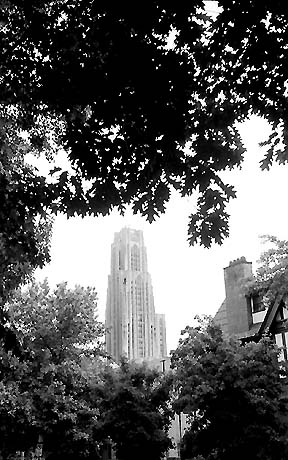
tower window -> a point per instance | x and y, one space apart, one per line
135 258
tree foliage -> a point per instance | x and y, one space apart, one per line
103 83
25 224
247 67
25 221
63 320
62 388
134 412
235 396
143 100
46 390
272 273
24 218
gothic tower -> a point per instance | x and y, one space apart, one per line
133 328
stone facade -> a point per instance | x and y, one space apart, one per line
133 328
234 315
247 317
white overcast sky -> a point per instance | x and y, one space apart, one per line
186 280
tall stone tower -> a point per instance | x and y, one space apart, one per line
133 328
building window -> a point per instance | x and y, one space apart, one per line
135 258
256 303
281 342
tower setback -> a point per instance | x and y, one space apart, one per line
133 328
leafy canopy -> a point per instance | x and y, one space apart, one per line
103 82
25 223
235 396
271 278
135 412
46 390
143 99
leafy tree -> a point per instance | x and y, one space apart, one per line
135 412
271 277
25 220
24 246
62 321
246 70
47 390
106 83
235 396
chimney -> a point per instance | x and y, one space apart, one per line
239 316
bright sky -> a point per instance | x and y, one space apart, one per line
186 280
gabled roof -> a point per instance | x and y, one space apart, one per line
251 334
257 329
270 315
221 318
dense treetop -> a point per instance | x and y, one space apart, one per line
143 99
247 65
46 389
61 321
235 396
271 279
135 411
63 390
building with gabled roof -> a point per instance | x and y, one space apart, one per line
246 317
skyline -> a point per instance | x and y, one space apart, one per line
190 279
